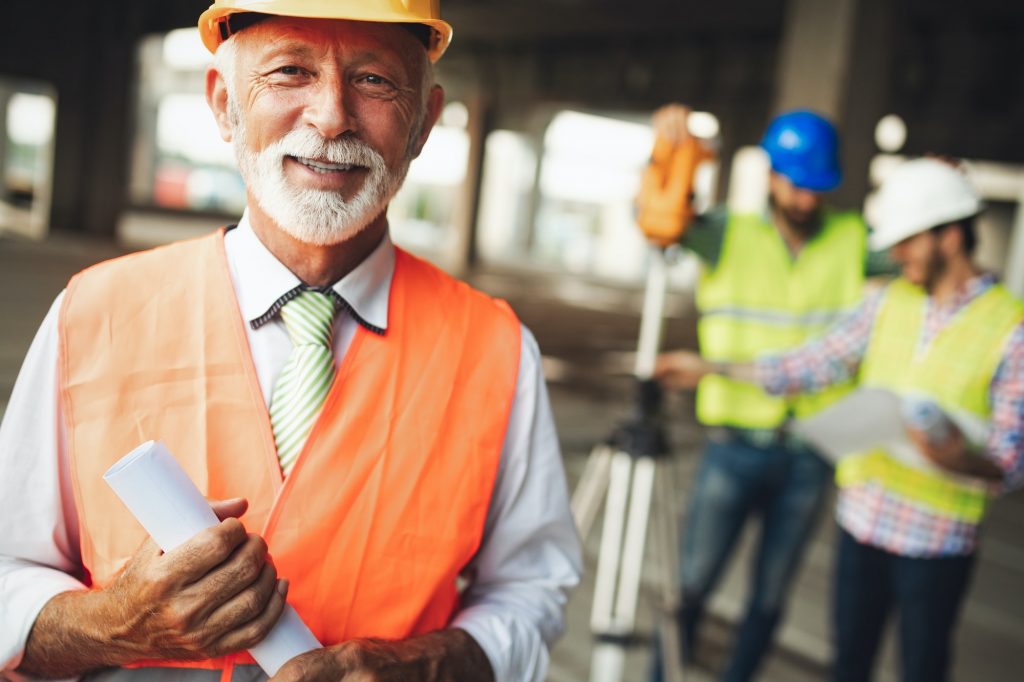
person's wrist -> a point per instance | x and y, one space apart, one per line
719 368
100 617
76 632
464 648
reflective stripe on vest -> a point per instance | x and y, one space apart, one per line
776 318
758 299
387 501
956 370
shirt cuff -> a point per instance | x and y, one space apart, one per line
24 591
516 650
769 374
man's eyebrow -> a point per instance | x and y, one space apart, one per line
286 49
376 57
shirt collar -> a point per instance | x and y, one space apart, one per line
971 289
263 283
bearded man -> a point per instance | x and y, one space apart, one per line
371 430
768 282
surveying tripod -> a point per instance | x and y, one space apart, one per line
630 472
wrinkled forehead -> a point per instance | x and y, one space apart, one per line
318 36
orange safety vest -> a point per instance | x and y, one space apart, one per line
386 503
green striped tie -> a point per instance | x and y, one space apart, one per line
307 374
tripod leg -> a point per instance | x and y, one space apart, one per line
609 557
586 499
607 663
609 657
625 556
669 534
633 549
666 536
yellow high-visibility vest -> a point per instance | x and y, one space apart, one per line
955 370
758 299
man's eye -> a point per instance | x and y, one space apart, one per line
374 79
290 71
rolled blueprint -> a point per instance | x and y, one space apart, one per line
162 497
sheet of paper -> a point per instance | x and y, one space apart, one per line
159 493
870 418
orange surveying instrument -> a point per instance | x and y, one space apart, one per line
629 468
665 204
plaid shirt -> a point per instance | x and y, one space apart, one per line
872 514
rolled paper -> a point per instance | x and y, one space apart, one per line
162 497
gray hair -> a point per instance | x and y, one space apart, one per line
225 60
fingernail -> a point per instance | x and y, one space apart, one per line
282 586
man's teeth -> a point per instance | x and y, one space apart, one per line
322 167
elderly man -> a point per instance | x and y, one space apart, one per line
372 429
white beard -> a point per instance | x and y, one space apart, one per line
316 216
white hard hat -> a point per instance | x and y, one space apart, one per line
920 195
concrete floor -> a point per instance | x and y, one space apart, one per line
587 332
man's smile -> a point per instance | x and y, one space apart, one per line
318 166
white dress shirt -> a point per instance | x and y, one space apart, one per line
520 578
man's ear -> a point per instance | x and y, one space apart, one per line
217 98
435 103
951 239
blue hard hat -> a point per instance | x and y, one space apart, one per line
804 146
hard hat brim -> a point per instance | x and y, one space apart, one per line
210 20
820 182
887 235
817 182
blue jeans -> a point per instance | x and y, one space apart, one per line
927 593
784 487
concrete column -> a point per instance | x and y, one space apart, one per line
866 95
814 55
479 126
536 132
835 58
5 99
108 146
1014 275
93 128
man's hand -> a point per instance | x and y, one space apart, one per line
216 594
669 122
442 656
953 455
682 369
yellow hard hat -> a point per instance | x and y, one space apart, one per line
215 24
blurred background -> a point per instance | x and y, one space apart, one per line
526 189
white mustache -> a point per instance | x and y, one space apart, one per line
308 144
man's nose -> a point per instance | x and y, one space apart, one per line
805 199
328 108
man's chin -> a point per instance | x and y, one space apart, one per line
323 235
914 276
805 223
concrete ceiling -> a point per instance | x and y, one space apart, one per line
506 22
546 20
